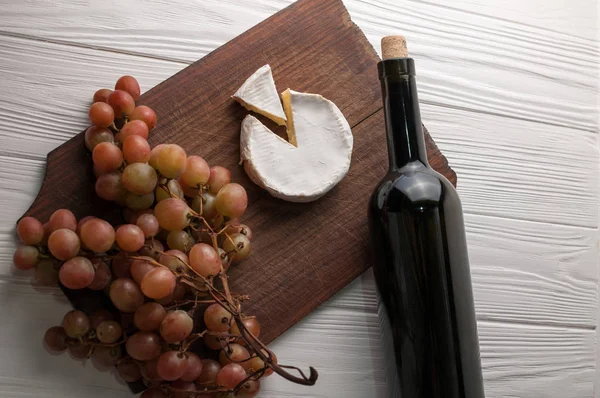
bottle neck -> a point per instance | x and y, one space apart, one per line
406 142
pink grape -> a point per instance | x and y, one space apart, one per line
110 187
177 295
130 85
175 260
152 248
232 200
97 235
217 318
101 114
129 371
176 327
171 365
109 332
121 102
208 376
76 273
56 339
154 392
219 177
149 317
231 375
133 127
172 161
136 149
95 135
102 275
100 95
139 269
121 265
62 218
158 283
149 370
205 260
148 224
64 244
196 172
172 214
106 356
184 388
76 324
153 161
81 222
194 367
250 389
26 257
129 237
107 157
143 346
234 353
126 295
30 231
100 316
46 273
145 114
80 351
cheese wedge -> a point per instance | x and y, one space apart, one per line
309 169
259 94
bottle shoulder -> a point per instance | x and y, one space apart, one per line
414 185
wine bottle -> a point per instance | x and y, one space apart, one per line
420 264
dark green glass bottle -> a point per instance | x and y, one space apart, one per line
420 256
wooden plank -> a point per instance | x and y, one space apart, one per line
520 169
450 43
195 110
499 159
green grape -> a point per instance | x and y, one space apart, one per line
139 202
163 188
180 240
239 245
95 135
139 178
217 318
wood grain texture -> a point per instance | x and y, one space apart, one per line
195 111
527 83
43 99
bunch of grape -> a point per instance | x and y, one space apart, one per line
173 201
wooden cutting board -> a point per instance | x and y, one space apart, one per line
302 253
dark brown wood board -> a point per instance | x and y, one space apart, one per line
302 253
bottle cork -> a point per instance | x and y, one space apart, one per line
394 47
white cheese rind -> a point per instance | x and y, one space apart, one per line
310 170
259 94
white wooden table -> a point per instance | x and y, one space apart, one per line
509 90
